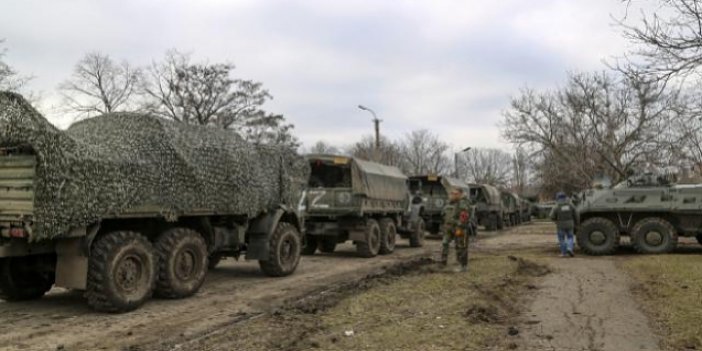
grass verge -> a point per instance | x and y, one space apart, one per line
670 289
426 308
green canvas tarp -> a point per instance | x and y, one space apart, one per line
111 164
450 183
379 182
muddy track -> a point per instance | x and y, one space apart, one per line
232 293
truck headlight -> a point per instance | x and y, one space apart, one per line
343 198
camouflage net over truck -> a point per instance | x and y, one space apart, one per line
124 162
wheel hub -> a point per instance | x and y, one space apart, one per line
654 238
129 273
185 264
286 250
598 237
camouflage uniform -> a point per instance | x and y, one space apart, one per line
456 216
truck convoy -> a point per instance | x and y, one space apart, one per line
362 201
489 208
123 206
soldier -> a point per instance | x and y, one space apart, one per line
455 226
565 216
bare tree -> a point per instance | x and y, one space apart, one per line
423 152
322 147
100 85
596 124
520 170
486 166
388 154
10 80
670 39
206 94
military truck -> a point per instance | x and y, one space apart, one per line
510 208
650 209
488 203
352 199
542 210
431 192
123 206
524 210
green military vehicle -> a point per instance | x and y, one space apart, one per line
362 201
542 210
510 208
650 209
524 210
431 193
488 206
123 206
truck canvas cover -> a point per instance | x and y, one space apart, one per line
451 183
379 182
123 162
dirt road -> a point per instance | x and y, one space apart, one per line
234 291
585 304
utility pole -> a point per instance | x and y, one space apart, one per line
455 161
376 122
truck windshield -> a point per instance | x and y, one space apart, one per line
326 175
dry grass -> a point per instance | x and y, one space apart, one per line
426 310
670 288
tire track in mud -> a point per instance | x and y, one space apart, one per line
585 304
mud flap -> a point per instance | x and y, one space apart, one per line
71 264
257 249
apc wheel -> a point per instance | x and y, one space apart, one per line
388 236
371 246
327 245
121 272
182 258
214 260
654 236
21 278
598 236
416 238
283 251
311 244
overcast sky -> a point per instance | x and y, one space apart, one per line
449 66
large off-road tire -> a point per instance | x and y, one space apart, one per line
654 235
388 236
21 278
328 245
598 236
284 250
182 262
699 238
371 246
416 238
121 272
214 260
311 244
500 222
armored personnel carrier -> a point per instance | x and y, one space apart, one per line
648 208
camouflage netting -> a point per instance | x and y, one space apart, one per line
106 165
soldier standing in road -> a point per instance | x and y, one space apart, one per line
455 226
565 216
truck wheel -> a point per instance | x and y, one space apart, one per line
598 236
491 222
371 246
311 244
388 235
214 260
121 272
182 259
654 236
283 251
417 236
21 279
327 245
699 238
500 222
